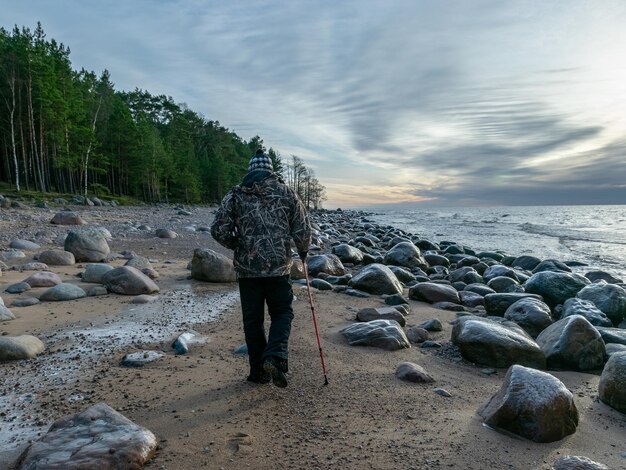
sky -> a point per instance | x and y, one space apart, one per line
392 103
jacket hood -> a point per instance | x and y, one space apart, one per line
258 181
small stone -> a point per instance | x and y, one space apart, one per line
442 392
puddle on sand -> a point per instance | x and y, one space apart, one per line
75 350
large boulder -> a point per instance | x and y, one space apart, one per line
572 344
499 270
532 404
496 344
551 265
609 298
94 272
329 264
376 279
385 334
405 254
498 303
587 309
127 280
612 388
67 218
526 262
348 254
43 279
432 293
57 258
63 292
25 245
87 245
555 287
208 265
531 314
14 348
99 437
380 313
5 313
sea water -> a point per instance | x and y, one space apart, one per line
594 235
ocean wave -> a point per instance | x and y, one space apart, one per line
565 234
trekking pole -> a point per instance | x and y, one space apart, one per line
317 333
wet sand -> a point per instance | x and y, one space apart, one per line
206 416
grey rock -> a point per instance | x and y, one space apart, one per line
94 272
57 258
430 344
328 263
67 218
24 245
612 348
43 279
494 344
551 265
141 358
432 293
417 334
449 306
555 287
165 233
412 372
471 299
87 245
497 304
18 288
402 274
433 324
96 291
185 340
575 462
595 276
380 313
99 437
385 334
526 262
15 348
126 280
144 299
612 335
241 349
34 266
405 254
502 283
25 302
63 292
499 270
442 392
532 404
139 262
320 284
5 313
356 293
612 388
210 266
466 274
9 255
480 289
348 254
572 344
434 259
609 298
533 315
396 299
376 279
587 309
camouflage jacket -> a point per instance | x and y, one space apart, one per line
258 219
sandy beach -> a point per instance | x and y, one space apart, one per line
204 413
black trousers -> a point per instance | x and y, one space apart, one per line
276 292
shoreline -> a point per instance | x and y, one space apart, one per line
206 415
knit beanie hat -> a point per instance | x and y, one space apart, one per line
260 161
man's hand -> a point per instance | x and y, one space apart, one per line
302 255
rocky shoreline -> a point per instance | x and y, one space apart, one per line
529 315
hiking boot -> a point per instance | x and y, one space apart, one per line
276 368
260 377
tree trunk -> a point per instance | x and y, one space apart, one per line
93 131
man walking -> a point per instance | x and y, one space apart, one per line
258 219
